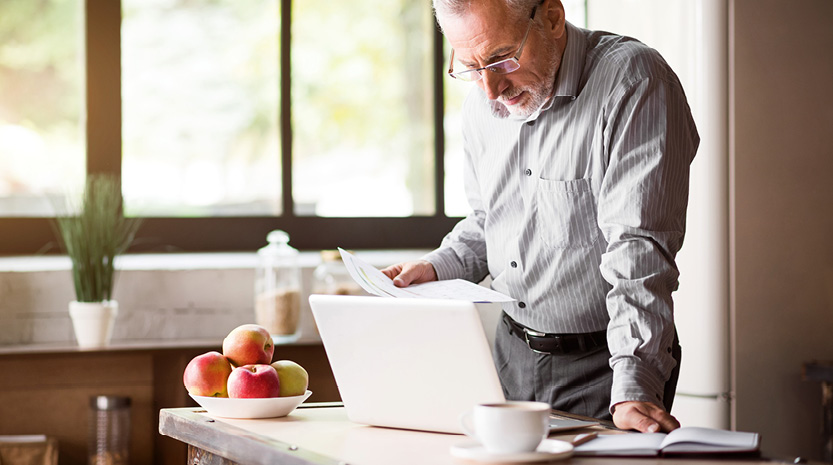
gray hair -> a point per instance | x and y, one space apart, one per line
517 8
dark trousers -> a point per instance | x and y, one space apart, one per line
578 383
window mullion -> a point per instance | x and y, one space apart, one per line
102 46
439 130
288 209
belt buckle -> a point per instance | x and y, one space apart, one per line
528 332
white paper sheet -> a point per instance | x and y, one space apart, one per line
376 283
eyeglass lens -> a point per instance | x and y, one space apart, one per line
501 67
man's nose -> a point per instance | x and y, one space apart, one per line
493 84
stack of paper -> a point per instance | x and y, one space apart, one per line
376 283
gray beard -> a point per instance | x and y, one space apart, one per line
499 110
540 98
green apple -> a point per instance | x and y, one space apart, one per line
294 378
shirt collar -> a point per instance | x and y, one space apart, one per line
572 64
568 77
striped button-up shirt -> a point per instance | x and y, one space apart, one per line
579 210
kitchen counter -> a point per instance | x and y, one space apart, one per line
46 389
137 345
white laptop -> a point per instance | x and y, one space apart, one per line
409 363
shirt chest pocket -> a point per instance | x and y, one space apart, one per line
567 213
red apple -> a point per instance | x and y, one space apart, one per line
248 345
207 375
253 381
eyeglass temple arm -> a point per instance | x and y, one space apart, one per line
523 42
451 62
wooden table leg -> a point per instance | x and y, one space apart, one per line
197 456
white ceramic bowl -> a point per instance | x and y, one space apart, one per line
270 407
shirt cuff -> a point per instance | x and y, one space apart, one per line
446 263
633 381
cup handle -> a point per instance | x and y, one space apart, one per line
465 424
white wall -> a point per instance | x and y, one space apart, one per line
780 199
782 209
691 36
173 296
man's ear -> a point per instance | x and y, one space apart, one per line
554 15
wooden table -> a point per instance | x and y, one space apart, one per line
321 434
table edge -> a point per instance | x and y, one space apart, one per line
192 426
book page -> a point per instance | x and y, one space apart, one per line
697 439
645 444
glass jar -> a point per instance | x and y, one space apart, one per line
331 276
109 433
278 288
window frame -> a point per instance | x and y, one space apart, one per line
103 132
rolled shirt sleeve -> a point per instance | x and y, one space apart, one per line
641 213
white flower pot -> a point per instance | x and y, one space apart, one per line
93 322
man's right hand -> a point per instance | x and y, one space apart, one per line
407 273
643 416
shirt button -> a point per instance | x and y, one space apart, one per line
669 350
530 123
528 172
521 305
514 264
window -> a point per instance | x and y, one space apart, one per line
362 109
200 108
41 104
229 118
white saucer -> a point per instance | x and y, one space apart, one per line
549 449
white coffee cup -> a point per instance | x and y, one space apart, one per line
507 427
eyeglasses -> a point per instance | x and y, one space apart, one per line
501 67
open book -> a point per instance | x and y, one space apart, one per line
688 440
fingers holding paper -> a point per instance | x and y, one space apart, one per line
413 272
643 416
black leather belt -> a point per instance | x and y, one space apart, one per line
548 343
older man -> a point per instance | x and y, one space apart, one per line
578 145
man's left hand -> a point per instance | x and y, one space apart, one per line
643 416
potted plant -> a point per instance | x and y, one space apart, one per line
93 232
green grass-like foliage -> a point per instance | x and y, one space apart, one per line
93 234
